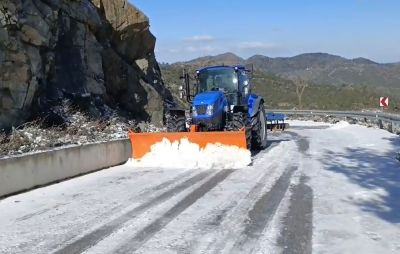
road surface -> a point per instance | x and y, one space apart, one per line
317 188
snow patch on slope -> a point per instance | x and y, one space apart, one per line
184 154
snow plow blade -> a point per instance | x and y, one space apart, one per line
142 142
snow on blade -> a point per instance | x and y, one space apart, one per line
184 154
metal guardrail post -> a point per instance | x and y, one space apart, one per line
390 127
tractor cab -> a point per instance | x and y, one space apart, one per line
218 90
217 78
231 80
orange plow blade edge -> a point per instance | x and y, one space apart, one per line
141 142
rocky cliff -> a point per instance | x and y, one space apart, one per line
98 54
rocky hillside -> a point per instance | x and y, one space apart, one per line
97 54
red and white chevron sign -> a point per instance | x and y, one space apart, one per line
384 102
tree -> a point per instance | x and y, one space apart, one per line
300 87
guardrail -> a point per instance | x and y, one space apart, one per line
25 172
369 115
388 121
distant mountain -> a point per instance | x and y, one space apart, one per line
318 68
227 58
362 60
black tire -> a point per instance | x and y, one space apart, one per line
259 129
239 121
176 123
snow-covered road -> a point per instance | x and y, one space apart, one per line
317 188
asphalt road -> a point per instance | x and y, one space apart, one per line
267 207
125 210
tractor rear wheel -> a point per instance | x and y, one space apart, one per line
259 129
176 123
240 121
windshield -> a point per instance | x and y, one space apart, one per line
218 78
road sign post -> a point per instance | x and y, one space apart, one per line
384 102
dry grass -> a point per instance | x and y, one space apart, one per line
78 129
32 137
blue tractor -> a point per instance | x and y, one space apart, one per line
221 101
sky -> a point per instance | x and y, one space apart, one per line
186 29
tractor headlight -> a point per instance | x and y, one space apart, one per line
194 111
210 110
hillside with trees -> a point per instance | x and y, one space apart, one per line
305 81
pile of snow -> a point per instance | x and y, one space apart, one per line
340 125
184 154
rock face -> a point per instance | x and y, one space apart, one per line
97 53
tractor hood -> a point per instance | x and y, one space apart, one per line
207 98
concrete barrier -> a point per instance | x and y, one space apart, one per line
25 172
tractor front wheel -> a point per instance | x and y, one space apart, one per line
259 129
176 123
240 121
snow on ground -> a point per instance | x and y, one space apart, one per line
293 123
356 182
352 171
214 222
184 154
